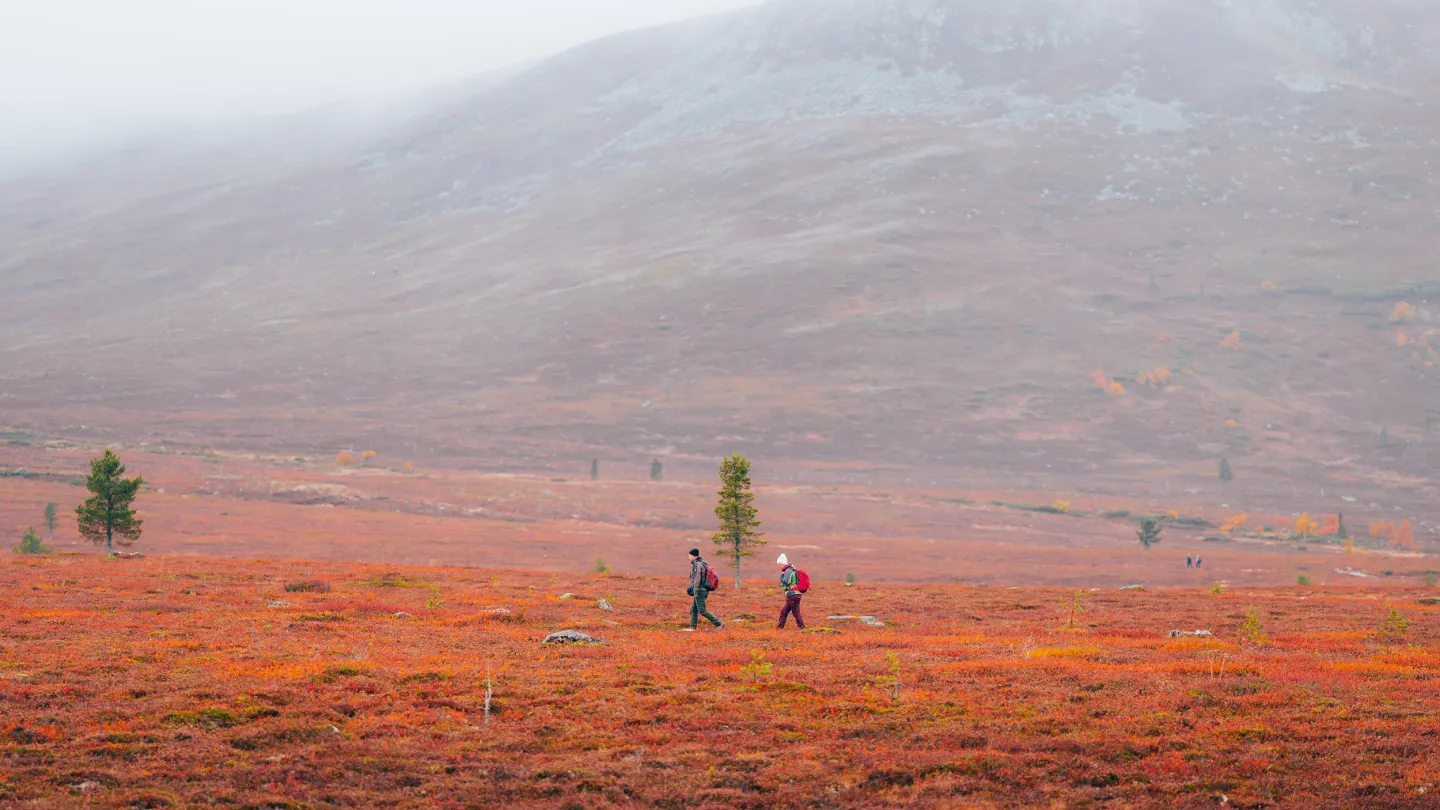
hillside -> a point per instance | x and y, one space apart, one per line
867 241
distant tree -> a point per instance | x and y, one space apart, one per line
1384 437
368 455
344 459
601 567
409 466
1304 526
50 519
1149 532
1226 474
1340 530
737 536
30 543
657 470
849 579
594 469
106 514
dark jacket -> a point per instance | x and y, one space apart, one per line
698 567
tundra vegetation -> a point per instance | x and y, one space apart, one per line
183 682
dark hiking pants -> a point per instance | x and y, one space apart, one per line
697 609
792 605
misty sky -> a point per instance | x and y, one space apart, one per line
74 71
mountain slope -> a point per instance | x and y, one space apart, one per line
891 239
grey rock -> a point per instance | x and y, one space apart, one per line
277 604
571 637
401 615
839 618
604 605
567 596
1190 634
871 621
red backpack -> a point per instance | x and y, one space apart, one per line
802 581
712 579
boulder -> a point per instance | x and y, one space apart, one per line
839 618
277 604
1190 634
567 596
604 604
871 621
401 615
570 637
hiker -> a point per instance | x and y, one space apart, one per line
699 581
1189 561
790 581
1197 562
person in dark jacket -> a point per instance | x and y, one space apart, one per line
789 580
697 590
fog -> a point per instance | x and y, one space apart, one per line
78 73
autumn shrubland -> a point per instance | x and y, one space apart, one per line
185 682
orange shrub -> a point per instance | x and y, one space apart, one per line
345 459
1236 522
1233 341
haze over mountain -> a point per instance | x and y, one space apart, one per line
879 240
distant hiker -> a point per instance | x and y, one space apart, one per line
795 583
1189 561
702 581
1197 562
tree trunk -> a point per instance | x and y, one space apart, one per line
737 564
109 537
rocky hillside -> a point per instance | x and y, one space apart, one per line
911 240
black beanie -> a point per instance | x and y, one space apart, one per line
694 552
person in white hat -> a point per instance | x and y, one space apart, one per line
790 581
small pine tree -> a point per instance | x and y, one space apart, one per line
51 518
849 579
1149 532
657 470
30 543
106 514
601 567
1384 437
594 469
1341 532
1250 631
1226 474
1393 629
1303 581
737 535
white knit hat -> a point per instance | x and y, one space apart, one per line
783 560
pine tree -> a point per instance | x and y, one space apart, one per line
30 543
50 520
1149 533
737 536
657 470
1226 474
594 469
107 514
1340 531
